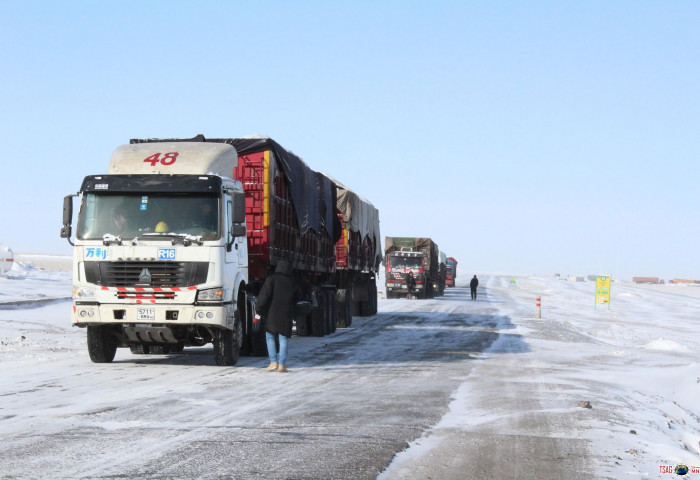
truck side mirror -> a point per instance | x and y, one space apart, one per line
236 212
238 231
67 229
238 207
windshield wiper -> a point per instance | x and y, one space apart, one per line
108 239
185 238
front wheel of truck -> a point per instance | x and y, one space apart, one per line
102 345
226 345
225 350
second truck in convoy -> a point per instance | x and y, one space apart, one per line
358 255
416 255
174 242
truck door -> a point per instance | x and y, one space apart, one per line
236 252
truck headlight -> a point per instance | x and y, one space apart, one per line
83 293
211 295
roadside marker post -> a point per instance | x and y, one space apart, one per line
538 308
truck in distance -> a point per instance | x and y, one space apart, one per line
450 272
418 255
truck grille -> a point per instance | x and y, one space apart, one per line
146 274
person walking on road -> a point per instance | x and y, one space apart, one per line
276 302
472 285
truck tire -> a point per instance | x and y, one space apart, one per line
102 346
177 348
348 307
332 310
139 349
342 296
373 299
225 350
303 325
159 349
318 325
227 346
364 306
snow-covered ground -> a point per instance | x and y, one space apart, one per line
636 364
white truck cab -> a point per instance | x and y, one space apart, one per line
160 253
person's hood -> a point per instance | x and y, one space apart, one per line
283 267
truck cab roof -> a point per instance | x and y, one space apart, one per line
193 158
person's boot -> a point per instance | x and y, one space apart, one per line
282 369
272 367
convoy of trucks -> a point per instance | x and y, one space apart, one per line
172 246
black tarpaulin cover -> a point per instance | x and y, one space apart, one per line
313 194
359 215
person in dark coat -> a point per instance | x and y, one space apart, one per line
276 302
410 284
472 285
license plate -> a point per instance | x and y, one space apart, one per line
145 314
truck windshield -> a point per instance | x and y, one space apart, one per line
134 215
406 262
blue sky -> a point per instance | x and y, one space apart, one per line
523 137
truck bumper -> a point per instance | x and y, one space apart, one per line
215 315
401 287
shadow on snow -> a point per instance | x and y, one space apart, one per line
467 331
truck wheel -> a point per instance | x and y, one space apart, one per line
373 298
363 306
318 325
348 307
139 349
102 345
225 349
159 349
303 324
357 308
332 311
342 295
177 348
227 346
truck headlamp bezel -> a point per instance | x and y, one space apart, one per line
82 294
211 295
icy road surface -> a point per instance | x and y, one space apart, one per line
443 389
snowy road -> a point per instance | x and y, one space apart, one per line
443 389
350 402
